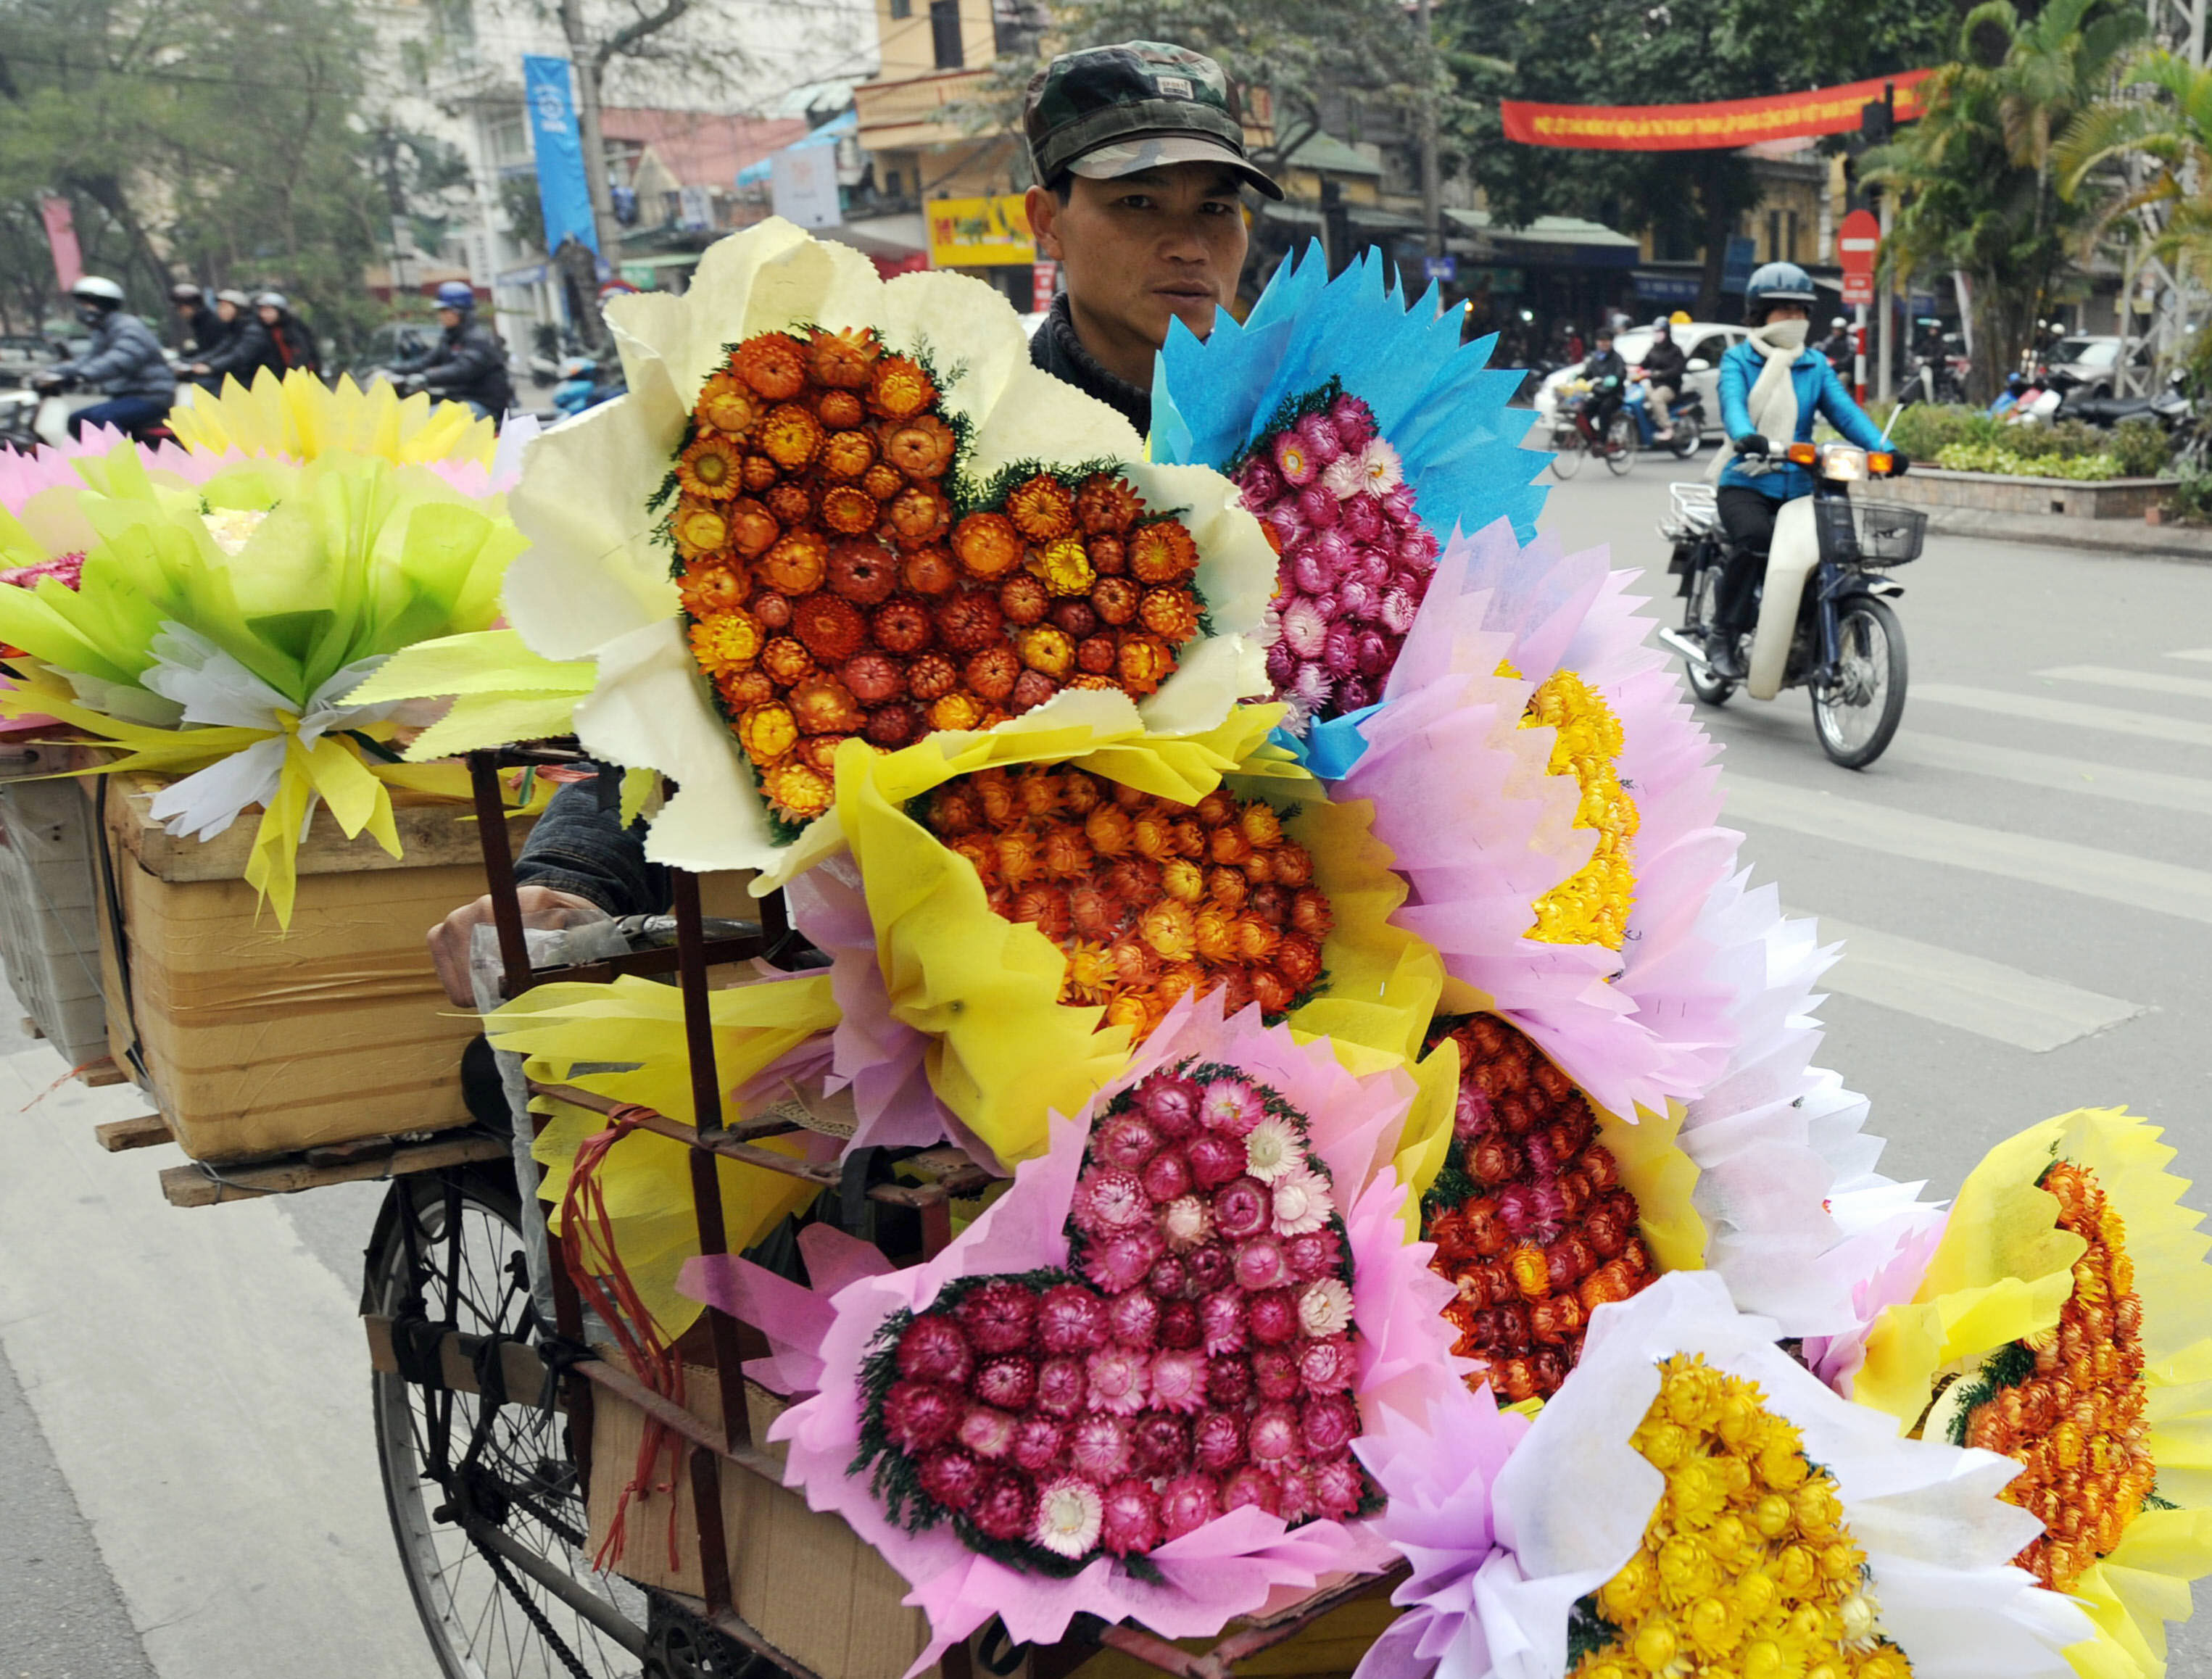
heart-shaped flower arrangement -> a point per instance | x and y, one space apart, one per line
1529 1215
1355 558
840 581
1150 899
1198 1355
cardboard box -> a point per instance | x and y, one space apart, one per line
813 1589
260 1041
802 1580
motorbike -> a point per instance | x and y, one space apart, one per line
1686 415
581 387
1574 433
1825 620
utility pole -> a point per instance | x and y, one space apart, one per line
1432 213
590 65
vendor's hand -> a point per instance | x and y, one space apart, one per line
542 907
1752 443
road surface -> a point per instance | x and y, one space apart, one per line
186 1484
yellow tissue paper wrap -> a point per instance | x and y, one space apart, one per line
638 1027
2002 1273
299 417
1004 1052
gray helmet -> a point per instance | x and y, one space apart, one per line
237 300
271 300
1777 283
93 290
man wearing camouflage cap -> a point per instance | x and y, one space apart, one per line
1139 159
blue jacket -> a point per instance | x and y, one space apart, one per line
125 359
1819 392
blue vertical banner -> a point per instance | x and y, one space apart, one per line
563 194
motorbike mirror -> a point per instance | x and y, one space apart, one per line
1696 364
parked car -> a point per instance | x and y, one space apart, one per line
1704 343
2082 366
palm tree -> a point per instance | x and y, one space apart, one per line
1973 176
2171 132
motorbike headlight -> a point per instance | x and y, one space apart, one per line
1844 463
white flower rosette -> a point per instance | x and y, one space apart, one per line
596 582
1570 1505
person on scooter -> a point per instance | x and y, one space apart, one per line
293 345
250 347
1840 347
468 364
200 328
1608 380
1772 390
126 361
1664 369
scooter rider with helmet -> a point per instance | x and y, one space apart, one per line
1773 388
1841 348
126 361
1664 368
469 362
202 327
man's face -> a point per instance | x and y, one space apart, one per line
226 310
449 319
268 314
1161 245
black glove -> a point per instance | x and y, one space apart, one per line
1898 462
1752 443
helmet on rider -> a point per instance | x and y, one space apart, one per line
456 295
271 300
186 292
1838 325
96 299
1661 328
1776 283
237 300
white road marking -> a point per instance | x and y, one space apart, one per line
204 1383
2146 682
2203 656
2192 794
1969 992
2162 888
2042 709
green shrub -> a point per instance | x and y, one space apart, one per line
2193 498
1926 429
2140 445
2012 463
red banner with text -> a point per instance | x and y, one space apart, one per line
1725 124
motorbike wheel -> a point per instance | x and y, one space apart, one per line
1689 433
1621 445
1697 617
1566 453
1856 714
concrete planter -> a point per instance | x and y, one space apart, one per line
1991 492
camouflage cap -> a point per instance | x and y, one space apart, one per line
1107 112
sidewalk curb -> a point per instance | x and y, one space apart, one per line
2103 536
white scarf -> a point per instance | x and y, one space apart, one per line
1773 399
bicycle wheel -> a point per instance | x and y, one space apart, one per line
1856 715
1621 445
449 1246
1566 453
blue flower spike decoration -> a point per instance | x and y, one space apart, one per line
1364 435
1436 400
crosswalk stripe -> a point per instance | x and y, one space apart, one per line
2147 682
2203 656
2161 888
2042 709
1968 992
2192 794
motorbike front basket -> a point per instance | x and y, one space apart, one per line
1888 535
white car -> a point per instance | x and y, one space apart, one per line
1704 341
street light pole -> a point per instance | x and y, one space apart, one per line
1432 214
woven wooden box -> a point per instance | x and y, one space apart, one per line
259 1041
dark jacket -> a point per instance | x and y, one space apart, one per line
1056 349
125 359
1664 363
204 331
249 348
295 345
467 364
1604 364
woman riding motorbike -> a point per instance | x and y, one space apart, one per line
1772 390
